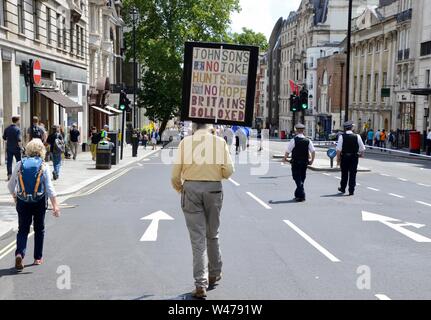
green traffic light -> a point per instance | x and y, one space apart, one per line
122 107
304 106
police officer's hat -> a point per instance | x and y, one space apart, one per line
299 126
348 124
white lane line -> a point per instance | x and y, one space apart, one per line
234 182
338 178
403 180
424 203
259 201
321 249
385 175
424 185
11 247
358 184
140 164
373 189
146 159
382 297
396 195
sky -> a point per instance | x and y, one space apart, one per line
261 15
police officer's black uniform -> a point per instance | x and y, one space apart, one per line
349 160
135 143
300 162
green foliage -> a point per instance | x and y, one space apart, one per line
161 31
249 37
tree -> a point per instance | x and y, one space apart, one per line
249 37
163 28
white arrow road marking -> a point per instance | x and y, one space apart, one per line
151 232
385 175
382 297
234 182
321 249
263 204
391 223
404 180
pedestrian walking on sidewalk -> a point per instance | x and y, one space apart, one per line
12 136
95 139
383 138
349 148
135 142
74 139
199 182
370 137
154 137
31 187
36 131
144 139
303 155
56 142
429 142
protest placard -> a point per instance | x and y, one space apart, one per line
219 83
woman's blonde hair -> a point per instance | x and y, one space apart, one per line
35 148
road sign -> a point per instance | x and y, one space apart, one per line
332 153
151 232
399 227
37 72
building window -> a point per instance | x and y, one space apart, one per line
370 48
426 48
428 78
378 46
2 12
367 98
20 9
71 37
355 88
78 41
63 25
59 31
48 26
361 87
376 87
35 20
82 42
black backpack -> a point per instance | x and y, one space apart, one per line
36 132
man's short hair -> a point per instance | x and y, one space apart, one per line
15 119
35 119
199 126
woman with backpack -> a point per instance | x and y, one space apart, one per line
56 142
31 186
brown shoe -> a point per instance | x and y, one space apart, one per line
199 292
18 263
213 280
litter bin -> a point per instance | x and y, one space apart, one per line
114 139
103 155
415 142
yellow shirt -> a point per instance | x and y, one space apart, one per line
201 157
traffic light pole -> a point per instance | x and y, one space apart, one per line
122 134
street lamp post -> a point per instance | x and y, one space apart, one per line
349 41
135 71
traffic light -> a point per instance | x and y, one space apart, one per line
304 99
294 103
124 103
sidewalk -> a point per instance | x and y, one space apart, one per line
74 175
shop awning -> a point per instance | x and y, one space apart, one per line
62 100
114 110
102 110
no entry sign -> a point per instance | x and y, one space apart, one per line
219 83
37 72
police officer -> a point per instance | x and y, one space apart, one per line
135 142
300 147
349 148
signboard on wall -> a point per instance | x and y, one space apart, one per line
219 83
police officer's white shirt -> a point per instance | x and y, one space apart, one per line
429 135
291 145
360 142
